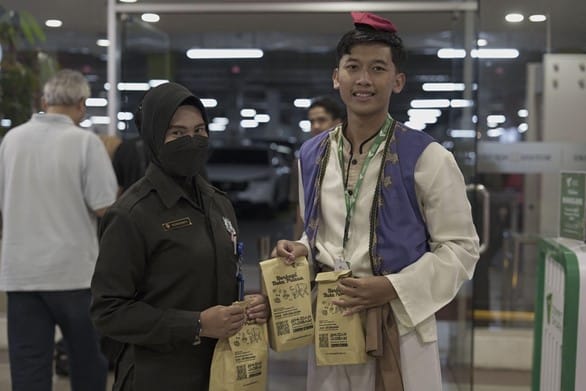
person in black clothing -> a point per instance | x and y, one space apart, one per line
165 278
129 162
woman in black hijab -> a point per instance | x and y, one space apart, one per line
165 278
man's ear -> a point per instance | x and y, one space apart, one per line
400 81
335 79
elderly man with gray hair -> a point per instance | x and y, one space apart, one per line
55 180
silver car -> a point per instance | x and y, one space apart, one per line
256 175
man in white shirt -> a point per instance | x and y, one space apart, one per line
389 203
56 179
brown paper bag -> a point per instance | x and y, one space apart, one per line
339 339
240 363
289 292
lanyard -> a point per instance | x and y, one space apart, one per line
350 199
239 274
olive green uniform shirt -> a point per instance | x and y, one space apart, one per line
164 257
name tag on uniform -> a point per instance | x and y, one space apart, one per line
176 224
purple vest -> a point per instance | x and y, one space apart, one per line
400 236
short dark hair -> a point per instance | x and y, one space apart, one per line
329 105
364 34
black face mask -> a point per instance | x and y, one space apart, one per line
185 156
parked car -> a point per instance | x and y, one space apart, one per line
256 175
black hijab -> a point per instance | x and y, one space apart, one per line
156 110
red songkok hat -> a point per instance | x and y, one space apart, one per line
374 21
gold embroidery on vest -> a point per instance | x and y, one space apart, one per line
392 157
377 261
387 181
313 223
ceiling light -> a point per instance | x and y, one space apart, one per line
425 116
424 112
53 23
121 125
451 53
262 118
425 120
481 42
496 118
415 125
443 86
151 18
460 103
221 121
224 53
128 1
216 127
462 133
125 86
157 82
494 53
448 53
86 123
247 112
430 103
305 126
302 103
537 18
496 132
103 42
523 113
6 122
125 116
96 102
100 120
248 123
514 18
522 128
122 86
209 102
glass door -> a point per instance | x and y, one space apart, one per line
296 65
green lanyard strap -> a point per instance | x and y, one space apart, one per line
351 198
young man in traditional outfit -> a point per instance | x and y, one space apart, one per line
389 203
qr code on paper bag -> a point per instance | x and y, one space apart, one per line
283 328
241 372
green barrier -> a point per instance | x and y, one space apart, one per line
559 356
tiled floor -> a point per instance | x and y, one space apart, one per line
287 370
287 373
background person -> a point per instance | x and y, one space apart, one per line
165 279
323 114
389 203
55 180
